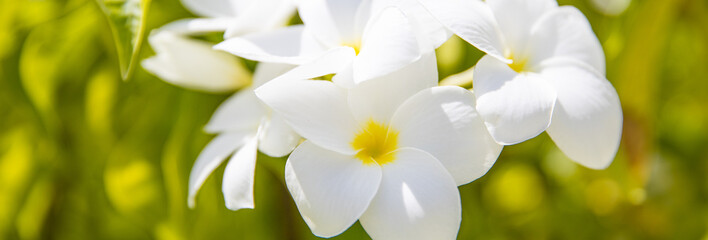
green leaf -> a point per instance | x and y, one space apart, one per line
127 20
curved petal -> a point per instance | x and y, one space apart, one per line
587 119
261 16
213 8
472 21
332 21
332 61
211 157
443 122
317 110
515 107
241 111
192 26
377 100
292 45
427 24
515 19
389 44
238 177
194 64
427 27
268 71
277 138
330 190
417 199
566 33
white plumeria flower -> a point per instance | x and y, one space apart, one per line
544 72
384 38
244 125
388 152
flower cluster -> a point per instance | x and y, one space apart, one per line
352 95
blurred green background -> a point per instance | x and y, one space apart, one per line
86 155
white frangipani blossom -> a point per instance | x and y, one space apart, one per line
245 125
385 35
388 152
544 72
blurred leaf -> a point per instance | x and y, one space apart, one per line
127 21
56 50
16 166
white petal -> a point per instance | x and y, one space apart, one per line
293 45
213 8
211 157
417 199
515 107
427 24
262 15
330 190
611 7
345 77
317 110
242 111
379 98
332 61
587 119
194 64
193 26
238 177
331 21
515 19
566 33
471 20
268 71
389 43
429 28
277 138
443 122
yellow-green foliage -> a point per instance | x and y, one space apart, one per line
85 155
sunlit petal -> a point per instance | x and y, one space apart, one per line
587 119
379 98
212 156
389 43
515 106
277 138
261 15
331 21
292 45
241 111
317 110
330 190
471 20
443 121
515 18
214 8
417 199
194 64
566 33
238 177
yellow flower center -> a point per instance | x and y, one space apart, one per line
518 63
376 143
355 45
